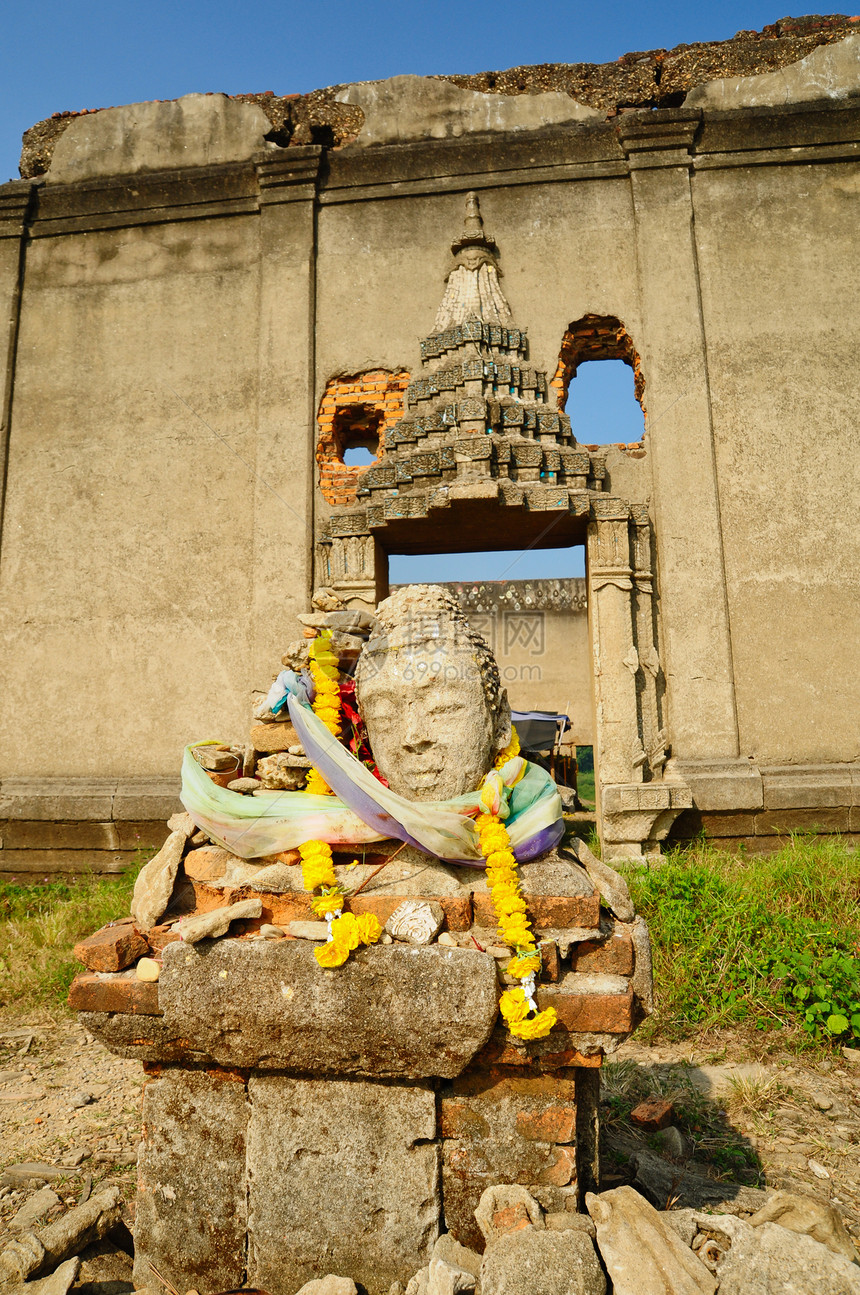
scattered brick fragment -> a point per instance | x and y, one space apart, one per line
113 948
652 1115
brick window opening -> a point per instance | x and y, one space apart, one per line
354 415
356 435
596 337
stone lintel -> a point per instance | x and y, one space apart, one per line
388 1012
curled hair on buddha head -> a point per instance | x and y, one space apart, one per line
416 614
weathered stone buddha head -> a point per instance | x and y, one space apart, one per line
429 691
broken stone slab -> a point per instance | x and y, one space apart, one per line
417 921
329 1285
19 1175
447 1279
388 1011
828 72
660 1183
82 1225
105 1270
506 1206
194 130
345 1169
417 1284
456 1255
565 1221
552 1263
24 1255
214 759
683 1222
209 926
59 1282
182 823
772 1260
31 1253
642 981
610 885
155 881
400 108
33 1210
308 930
641 1253
808 1215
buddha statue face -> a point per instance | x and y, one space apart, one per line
429 693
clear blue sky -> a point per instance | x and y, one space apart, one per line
99 53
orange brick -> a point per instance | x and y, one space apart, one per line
117 992
546 911
512 1219
562 1171
292 906
612 956
158 937
509 1081
460 1120
550 963
553 1124
591 1013
113 948
542 1056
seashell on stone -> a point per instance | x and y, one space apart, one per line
416 921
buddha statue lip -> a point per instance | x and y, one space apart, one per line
429 692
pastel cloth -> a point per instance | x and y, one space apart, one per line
362 810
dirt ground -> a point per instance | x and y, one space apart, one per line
781 1122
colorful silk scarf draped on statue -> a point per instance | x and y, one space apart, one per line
362 810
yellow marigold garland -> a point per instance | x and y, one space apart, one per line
346 931
514 926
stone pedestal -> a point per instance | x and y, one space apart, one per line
299 1121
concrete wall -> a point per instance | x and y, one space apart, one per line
172 333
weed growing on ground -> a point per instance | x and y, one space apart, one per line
713 1139
39 926
764 941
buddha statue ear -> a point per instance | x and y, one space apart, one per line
502 735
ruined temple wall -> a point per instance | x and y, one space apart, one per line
148 575
127 555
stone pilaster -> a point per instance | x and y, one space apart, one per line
649 680
620 755
686 506
283 500
15 199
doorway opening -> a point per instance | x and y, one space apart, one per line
531 606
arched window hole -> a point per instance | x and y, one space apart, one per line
356 434
599 382
602 405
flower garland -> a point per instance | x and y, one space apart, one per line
516 1005
326 703
345 930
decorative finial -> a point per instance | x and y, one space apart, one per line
473 234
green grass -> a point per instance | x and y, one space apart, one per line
585 787
39 926
767 942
